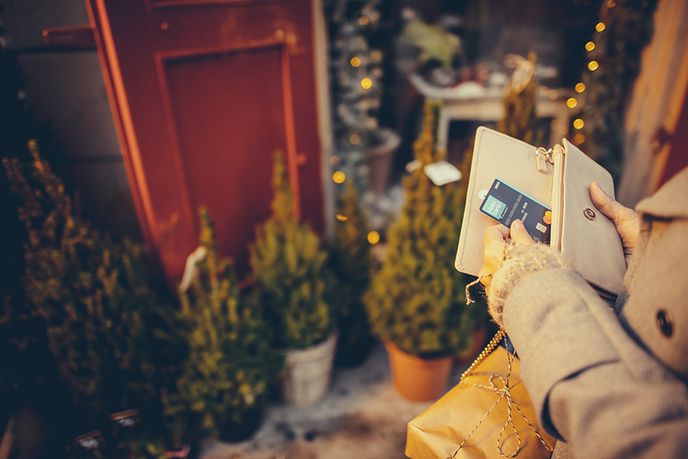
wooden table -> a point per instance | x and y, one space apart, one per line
488 105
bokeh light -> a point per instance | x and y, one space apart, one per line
339 177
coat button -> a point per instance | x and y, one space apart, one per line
664 323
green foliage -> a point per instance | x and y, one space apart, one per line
288 268
433 42
231 364
519 109
90 292
416 299
113 341
350 262
629 28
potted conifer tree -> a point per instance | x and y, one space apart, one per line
350 263
112 339
231 363
90 292
288 265
416 301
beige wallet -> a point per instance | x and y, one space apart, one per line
558 177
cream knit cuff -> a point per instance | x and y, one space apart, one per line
519 261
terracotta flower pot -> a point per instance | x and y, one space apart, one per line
476 345
417 379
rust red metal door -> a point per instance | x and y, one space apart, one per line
203 93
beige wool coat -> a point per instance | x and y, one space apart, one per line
610 382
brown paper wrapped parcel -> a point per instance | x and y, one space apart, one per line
481 417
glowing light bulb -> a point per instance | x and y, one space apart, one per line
341 217
580 87
355 62
600 26
366 83
373 237
589 46
579 138
338 177
578 123
593 65
571 102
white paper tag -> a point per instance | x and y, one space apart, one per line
442 172
190 267
412 165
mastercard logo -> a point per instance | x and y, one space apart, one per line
547 218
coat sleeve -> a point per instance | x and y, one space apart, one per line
591 384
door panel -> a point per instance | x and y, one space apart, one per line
203 93
204 115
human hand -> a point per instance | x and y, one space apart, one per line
495 239
626 220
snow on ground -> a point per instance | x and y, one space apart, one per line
363 417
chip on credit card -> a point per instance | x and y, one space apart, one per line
506 204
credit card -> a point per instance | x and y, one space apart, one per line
505 204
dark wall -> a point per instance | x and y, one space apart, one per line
66 93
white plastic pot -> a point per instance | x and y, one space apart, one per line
308 372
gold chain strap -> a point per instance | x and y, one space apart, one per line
504 392
485 352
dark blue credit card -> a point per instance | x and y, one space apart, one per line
506 204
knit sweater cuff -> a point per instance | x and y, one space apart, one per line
519 262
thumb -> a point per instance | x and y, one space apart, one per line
608 206
519 235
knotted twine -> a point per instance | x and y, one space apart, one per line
503 392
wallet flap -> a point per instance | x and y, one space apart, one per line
496 155
589 240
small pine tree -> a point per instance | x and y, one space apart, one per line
351 263
288 269
231 363
91 293
519 108
416 300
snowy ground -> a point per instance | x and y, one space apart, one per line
363 417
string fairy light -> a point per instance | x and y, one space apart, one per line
580 87
339 177
373 237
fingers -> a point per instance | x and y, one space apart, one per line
519 235
608 206
495 233
626 220
494 238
